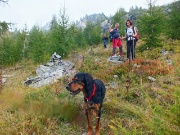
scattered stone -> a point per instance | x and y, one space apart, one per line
136 65
108 100
169 61
164 52
113 85
151 79
115 59
84 133
67 124
7 76
3 80
115 76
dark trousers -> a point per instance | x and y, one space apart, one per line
105 43
131 49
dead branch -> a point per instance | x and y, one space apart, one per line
4 1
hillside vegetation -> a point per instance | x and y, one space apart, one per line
133 103
146 108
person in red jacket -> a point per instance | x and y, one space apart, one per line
116 39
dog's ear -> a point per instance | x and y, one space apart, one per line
89 82
88 79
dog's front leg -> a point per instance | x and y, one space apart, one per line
97 125
89 118
98 116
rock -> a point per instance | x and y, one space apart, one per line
3 80
151 79
115 76
7 76
115 59
136 65
113 85
164 52
51 72
169 62
107 99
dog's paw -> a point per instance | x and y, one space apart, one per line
97 133
89 133
84 133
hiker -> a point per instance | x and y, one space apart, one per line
116 39
131 34
105 40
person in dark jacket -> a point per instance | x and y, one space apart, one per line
116 39
105 40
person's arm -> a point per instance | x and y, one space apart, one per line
122 37
110 28
135 32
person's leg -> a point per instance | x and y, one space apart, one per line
132 50
119 44
104 44
120 51
114 42
113 51
128 49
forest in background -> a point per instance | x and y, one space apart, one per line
155 24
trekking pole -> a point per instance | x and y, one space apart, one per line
128 76
133 50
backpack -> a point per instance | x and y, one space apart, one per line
137 36
113 34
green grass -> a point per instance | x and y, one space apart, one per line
147 108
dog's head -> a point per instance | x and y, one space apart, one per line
81 81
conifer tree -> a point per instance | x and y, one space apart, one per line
37 46
151 26
174 20
120 17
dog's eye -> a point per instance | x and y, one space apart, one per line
76 81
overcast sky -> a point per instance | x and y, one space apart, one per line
39 12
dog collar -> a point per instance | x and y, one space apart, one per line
93 93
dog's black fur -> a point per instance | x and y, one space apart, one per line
87 81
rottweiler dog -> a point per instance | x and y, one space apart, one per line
94 93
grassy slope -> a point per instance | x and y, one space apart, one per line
147 107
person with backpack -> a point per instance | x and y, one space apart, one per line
131 39
105 40
116 39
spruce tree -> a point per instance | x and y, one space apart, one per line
120 17
151 26
174 20
37 46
